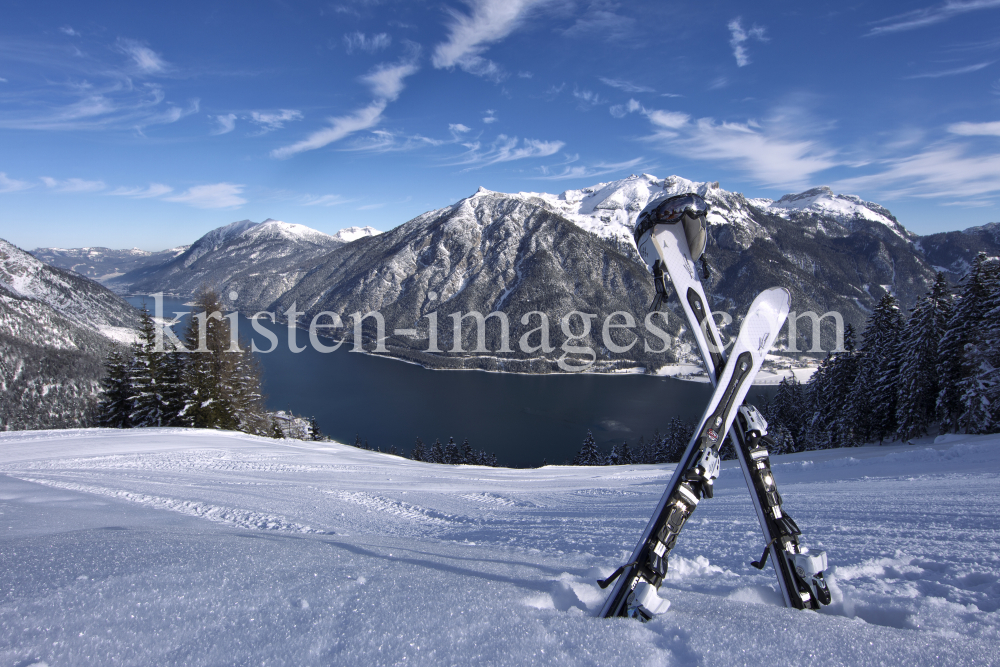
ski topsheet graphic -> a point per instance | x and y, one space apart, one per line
671 236
698 469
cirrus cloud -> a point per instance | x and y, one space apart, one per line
216 195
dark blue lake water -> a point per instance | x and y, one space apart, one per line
523 419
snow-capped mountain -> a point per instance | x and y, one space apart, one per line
556 253
103 264
531 251
349 234
56 328
258 260
489 252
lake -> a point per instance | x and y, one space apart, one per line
523 419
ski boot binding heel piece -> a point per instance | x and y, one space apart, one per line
644 603
808 568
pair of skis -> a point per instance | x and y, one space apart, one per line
664 239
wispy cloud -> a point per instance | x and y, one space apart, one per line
951 72
66 88
358 41
459 128
920 18
383 141
622 110
8 184
739 37
144 58
67 30
369 207
72 185
153 190
587 171
942 170
778 154
505 149
601 21
490 117
324 200
227 123
487 22
386 82
991 129
627 86
269 121
587 98
216 195
339 127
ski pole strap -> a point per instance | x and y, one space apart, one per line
604 583
759 564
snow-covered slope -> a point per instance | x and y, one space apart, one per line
258 260
56 327
24 278
103 264
171 547
847 210
349 234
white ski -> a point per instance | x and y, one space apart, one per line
634 593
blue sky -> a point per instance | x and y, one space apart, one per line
139 124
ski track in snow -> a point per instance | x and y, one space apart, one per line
234 516
119 548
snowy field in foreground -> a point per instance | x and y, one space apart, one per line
161 546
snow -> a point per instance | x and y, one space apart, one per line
823 201
349 234
173 546
276 229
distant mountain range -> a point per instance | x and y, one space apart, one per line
56 328
529 252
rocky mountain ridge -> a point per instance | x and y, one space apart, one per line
525 252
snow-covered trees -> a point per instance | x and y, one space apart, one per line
941 367
589 455
918 385
214 382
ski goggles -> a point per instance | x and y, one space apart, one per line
669 211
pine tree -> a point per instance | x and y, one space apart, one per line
788 409
115 407
980 385
419 453
467 455
965 326
874 392
613 458
916 405
589 454
314 432
451 453
436 455
148 377
223 379
625 454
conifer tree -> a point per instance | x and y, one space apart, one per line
916 405
115 407
436 455
451 452
148 377
625 454
964 328
613 458
874 393
419 453
467 455
589 454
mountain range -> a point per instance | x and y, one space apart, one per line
56 328
525 252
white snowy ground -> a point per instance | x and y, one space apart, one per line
163 547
